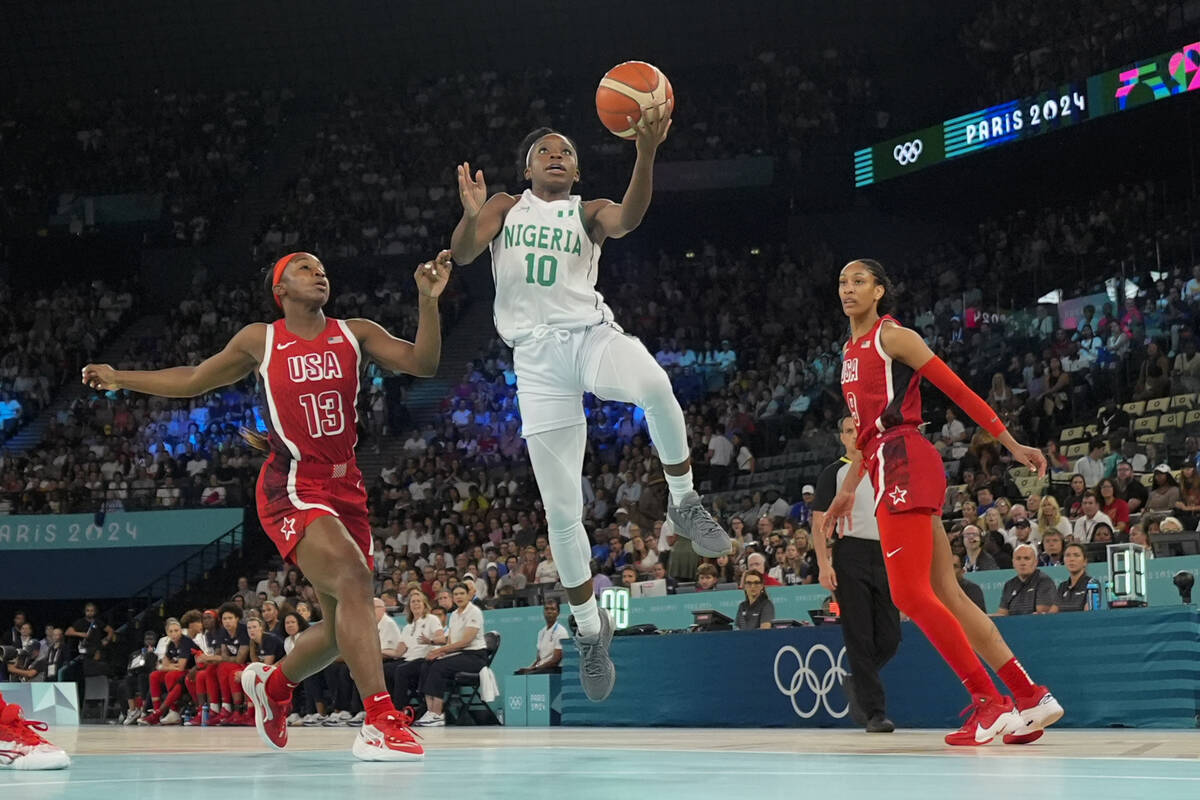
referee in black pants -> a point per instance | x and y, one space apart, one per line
858 577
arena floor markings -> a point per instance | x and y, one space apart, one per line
603 763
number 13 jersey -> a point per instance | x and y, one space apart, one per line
311 391
545 264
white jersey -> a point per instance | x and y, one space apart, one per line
545 266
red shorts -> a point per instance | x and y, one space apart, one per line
289 500
907 472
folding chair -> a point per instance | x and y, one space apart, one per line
95 690
464 700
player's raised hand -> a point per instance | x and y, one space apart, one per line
101 377
431 276
472 192
653 126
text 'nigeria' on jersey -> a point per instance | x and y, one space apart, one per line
542 237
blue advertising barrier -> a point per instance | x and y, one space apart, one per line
1130 667
55 704
519 626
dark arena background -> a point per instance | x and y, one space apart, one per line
1025 171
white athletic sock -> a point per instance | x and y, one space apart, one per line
226 706
679 485
587 617
214 708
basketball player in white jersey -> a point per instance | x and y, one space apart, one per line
545 247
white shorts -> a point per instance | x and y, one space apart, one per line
554 372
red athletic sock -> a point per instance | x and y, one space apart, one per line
1017 680
278 687
378 705
907 539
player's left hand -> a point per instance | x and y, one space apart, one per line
653 126
838 511
431 276
1030 457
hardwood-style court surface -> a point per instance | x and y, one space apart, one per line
604 763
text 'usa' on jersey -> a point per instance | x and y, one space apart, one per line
545 267
311 391
880 392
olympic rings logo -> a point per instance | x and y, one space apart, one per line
908 153
806 676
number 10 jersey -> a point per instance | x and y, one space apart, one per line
545 265
311 392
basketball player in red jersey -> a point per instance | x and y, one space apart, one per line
882 367
310 495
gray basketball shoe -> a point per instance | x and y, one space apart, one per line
693 522
596 671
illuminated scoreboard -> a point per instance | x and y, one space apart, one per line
1121 89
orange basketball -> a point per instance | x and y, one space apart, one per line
625 90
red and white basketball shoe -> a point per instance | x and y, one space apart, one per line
989 718
1038 712
21 744
388 738
270 716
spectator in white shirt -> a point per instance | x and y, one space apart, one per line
549 643
465 651
629 492
389 631
422 633
1092 516
720 455
214 493
1091 466
547 570
952 441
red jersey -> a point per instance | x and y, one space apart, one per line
311 391
881 393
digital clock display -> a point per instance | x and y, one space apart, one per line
1121 89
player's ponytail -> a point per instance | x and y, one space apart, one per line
887 303
255 439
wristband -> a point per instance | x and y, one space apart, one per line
944 378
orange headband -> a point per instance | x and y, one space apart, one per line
280 266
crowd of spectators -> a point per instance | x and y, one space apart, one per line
126 451
1022 47
368 185
197 150
46 335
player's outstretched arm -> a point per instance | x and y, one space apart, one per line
907 347
611 220
421 357
482 216
236 361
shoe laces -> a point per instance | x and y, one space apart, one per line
14 727
592 667
398 724
977 705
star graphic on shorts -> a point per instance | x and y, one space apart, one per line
898 495
288 528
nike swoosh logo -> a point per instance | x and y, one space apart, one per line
897 550
285 346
